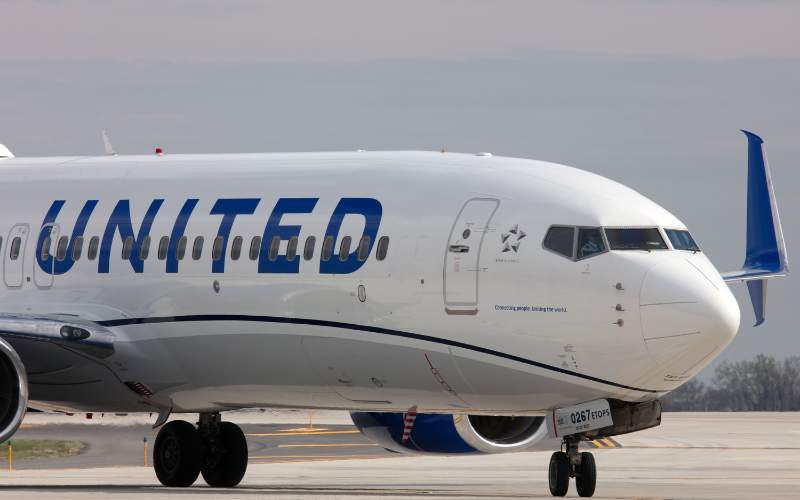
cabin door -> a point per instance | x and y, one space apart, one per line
462 258
14 255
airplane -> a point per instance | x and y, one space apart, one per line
453 303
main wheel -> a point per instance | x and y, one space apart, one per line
226 466
558 475
177 454
586 477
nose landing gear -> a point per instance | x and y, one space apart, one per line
572 463
214 448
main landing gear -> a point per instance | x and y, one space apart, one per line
214 448
572 463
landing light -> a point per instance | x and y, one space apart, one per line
74 333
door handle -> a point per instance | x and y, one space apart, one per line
459 248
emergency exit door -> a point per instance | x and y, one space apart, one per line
45 259
463 255
14 255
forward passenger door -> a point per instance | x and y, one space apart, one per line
463 255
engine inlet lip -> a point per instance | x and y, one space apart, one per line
13 421
469 433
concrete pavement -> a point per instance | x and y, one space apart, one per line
706 456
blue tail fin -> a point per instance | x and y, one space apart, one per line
765 254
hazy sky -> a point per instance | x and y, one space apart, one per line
650 93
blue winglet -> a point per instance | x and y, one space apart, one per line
765 254
758 297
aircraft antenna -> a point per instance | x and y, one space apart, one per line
5 152
107 143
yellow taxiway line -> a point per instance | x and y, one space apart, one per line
295 457
321 445
309 458
305 433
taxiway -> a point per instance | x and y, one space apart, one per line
708 456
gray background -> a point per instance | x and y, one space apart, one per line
648 93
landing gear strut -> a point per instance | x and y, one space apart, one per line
572 463
214 448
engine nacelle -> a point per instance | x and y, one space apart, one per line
450 434
13 391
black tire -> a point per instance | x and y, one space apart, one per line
586 479
558 474
177 454
226 468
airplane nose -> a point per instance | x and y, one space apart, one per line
687 312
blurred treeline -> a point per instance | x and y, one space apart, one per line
760 384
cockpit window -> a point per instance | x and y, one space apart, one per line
682 240
635 239
560 240
590 242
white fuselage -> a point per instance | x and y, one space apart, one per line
485 328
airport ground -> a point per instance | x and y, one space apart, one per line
296 455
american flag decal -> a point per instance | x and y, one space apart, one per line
408 423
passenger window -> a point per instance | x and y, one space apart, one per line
383 247
216 249
13 252
144 249
94 244
61 248
197 248
236 248
344 248
308 250
127 248
590 242
560 239
255 247
274 246
45 250
363 248
180 252
77 247
291 249
163 247
327 248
